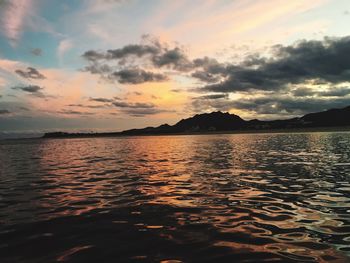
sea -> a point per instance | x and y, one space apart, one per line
282 197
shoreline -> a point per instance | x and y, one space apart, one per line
121 135
267 131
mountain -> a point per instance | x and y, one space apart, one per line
333 117
219 121
215 121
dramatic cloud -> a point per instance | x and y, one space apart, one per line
297 79
30 73
273 107
288 105
327 60
156 53
131 64
137 76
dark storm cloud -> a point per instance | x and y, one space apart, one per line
30 73
3 112
137 76
36 51
327 60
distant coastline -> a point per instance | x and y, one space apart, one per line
270 131
225 123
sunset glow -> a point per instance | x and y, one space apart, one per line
114 65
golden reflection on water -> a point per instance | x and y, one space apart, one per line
286 190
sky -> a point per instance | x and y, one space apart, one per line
111 65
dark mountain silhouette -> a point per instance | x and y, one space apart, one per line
210 121
220 122
333 117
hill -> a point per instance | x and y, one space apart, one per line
220 122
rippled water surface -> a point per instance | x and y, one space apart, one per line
208 198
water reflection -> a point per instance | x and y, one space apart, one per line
281 197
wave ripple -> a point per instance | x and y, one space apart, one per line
210 198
